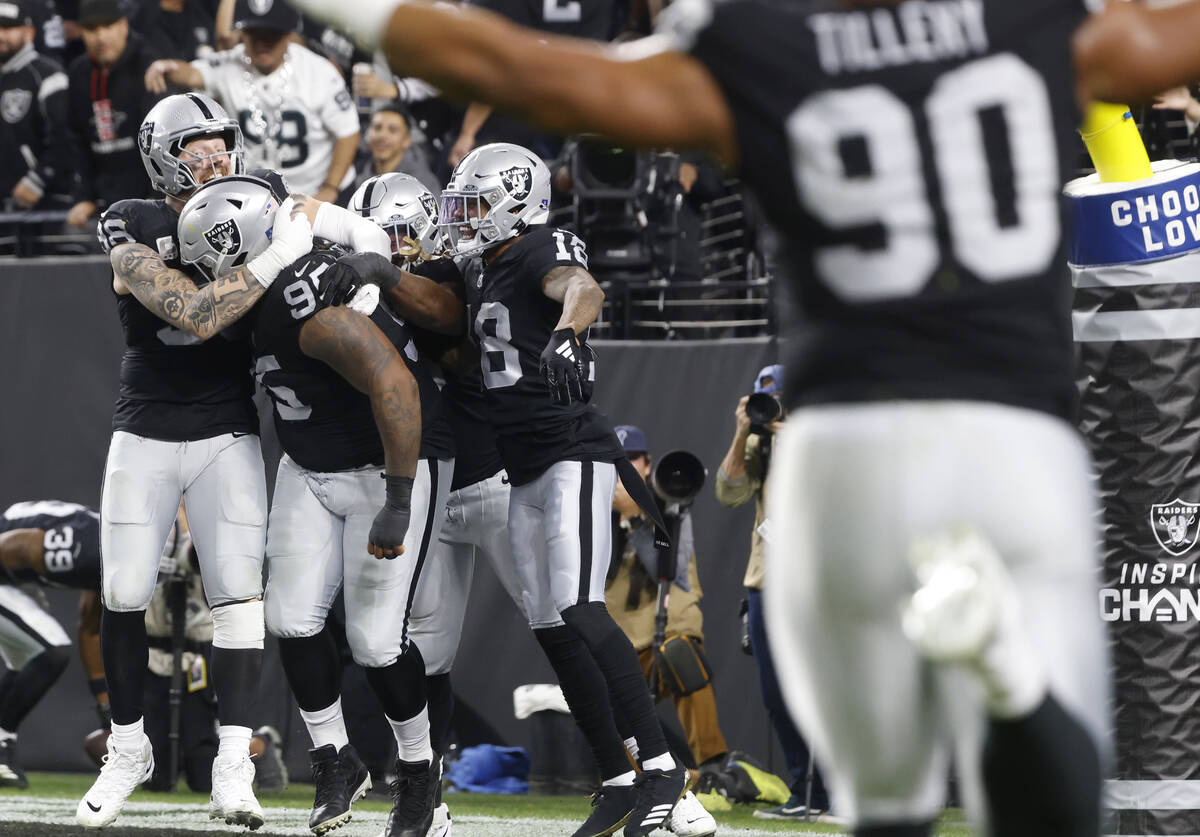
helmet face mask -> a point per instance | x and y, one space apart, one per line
226 223
496 193
408 212
170 126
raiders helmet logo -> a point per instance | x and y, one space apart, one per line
429 203
517 181
145 134
225 237
261 7
14 104
1175 525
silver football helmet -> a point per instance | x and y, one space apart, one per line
171 124
405 209
495 193
226 223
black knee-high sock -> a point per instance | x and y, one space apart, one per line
441 709
235 679
401 685
680 749
313 669
584 687
923 829
1042 775
126 654
618 662
28 685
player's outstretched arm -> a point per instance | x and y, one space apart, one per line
418 299
1128 52
565 85
580 294
356 349
170 295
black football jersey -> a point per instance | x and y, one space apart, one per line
323 422
911 157
175 387
437 435
71 541
513 319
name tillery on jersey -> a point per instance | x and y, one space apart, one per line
919 32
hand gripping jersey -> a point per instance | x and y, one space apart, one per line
175 387
911 156
513 320
71 543
291 117
324 423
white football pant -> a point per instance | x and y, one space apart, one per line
851 487
26 630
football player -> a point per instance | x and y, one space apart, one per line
478 506
348 416
935 309
53 543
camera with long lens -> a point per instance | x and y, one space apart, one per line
762 409
678 477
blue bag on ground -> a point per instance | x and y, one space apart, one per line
488 768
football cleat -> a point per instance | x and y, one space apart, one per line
657 792
611 807
232 796
11 774
270 773
341 779
690 819
123 770
441 821
413 794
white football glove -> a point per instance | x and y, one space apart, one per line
291 238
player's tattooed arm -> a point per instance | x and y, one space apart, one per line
427 304
580 294
173 297
356 349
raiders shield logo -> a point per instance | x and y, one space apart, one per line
14 104
517 181
145 133
1176 525
429 202
225 237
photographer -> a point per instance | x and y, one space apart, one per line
742 476
631 595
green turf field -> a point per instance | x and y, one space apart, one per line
47 810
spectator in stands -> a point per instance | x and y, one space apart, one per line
185 29
108 99
33 107
741 477
631 593
436 118
294 108
389 141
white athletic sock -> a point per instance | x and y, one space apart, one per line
412 737
624 780
663 762
632 747
128 736
327 726
234 740
5 735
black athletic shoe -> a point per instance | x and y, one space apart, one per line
611 807
341 778
413 795
657 793
11 774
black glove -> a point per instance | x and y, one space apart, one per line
744 624
349 273
565 366
391 524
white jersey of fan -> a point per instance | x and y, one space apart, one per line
291 117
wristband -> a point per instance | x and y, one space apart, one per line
399 492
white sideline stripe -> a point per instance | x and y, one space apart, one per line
1152 795
1108 326
152 817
